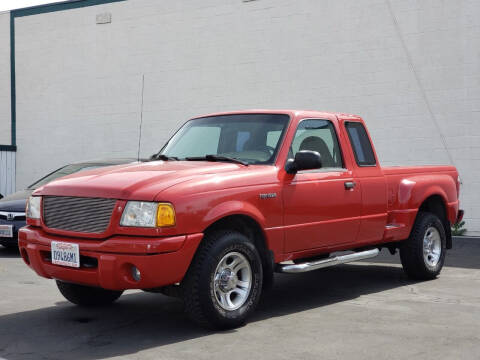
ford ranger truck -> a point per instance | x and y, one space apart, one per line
230 199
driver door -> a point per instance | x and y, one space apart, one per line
320 208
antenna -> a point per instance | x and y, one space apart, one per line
141 119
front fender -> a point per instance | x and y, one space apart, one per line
234 207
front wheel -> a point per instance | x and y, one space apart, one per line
224 282
87 295
423 254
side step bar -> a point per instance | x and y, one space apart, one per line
342 259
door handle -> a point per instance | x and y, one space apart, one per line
349 185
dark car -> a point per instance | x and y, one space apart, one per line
12 207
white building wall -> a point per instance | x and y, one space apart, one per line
5 122
410 68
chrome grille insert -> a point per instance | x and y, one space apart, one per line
77 214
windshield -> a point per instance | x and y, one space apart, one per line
64 171
252 138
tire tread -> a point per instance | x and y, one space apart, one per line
411 250
191 291
87 296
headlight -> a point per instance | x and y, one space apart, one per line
148 214
33 207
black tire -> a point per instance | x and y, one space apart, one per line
170 291
198 287
87 295
415 263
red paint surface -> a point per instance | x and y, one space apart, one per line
312 213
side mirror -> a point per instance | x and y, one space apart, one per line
1 196
304 160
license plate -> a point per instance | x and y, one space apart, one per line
65 254
6 231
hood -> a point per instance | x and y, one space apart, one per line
15 202
134 181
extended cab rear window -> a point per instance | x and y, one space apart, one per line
362 148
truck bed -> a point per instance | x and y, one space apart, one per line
410 186
422 169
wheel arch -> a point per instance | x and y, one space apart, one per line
437 205
430 193
251 228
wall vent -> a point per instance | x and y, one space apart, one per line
104 18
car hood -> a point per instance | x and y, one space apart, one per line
15 202
134 181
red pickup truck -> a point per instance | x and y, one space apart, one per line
230 199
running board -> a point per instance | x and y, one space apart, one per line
337 260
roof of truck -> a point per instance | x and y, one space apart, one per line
293 112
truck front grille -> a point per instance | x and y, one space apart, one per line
77 214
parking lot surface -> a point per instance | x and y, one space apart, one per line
364 310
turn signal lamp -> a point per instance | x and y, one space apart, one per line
165 215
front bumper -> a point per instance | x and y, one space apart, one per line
108 263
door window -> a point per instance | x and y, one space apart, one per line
320 136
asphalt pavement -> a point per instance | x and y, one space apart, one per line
363 310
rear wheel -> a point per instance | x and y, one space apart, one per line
423 254
87 295
224 282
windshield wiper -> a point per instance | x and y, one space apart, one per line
217 158
163 157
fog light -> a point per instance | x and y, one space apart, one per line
136 274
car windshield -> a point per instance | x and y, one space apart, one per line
251 138
64 171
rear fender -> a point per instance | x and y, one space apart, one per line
411 193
